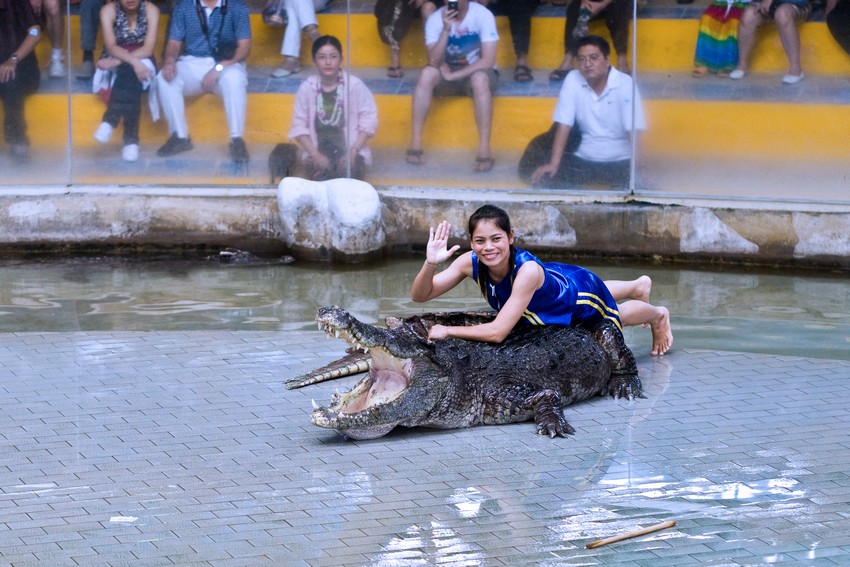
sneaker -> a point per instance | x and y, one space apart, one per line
793 79
737 74
56 70
103 132
130 152
582 22
238 151
174 145
86 71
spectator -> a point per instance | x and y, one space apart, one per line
394 18
461 46
19 73
838 21
787 14
55 25
89 24
334 117
300 16
717 42
519 19
208 43
617 14
600 101
129 35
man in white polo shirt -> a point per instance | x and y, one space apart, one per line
604 105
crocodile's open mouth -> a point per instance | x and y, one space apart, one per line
359 413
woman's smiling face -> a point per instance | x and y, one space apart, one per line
491 244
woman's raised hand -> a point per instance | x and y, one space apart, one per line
437 250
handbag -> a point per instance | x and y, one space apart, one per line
274 13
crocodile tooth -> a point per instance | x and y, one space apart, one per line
315 405
336 333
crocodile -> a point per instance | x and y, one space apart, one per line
412 381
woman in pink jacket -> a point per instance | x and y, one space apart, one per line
334 117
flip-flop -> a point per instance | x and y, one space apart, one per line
484 164
522 74
415 157
395 72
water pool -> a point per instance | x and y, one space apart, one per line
794 314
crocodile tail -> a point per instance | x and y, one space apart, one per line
349 365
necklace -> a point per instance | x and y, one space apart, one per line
336 113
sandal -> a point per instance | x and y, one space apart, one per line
559 74
699 72
415 157
484 164
522 74
395 72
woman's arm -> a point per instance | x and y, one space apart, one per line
529 279
429 284
119 53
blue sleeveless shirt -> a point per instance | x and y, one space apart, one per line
570 295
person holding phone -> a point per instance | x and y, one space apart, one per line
461 38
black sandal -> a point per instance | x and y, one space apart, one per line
559 74
415 157
522 74
484 164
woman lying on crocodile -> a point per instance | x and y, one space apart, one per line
519 286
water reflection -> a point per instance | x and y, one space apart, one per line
751 312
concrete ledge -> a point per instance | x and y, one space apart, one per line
671 229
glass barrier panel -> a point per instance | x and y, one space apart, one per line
730 112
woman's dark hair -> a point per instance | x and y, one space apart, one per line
501 219
326 40
597 41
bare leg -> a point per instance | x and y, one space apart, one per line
422 95
789 37
751 19
658 318
634 289
483 102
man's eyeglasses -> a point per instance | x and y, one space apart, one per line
593 58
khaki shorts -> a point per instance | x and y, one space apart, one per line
463 87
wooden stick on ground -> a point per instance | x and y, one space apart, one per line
650 529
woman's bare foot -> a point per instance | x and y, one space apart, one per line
662 332
643 286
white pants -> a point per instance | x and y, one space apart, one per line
299 14
232 87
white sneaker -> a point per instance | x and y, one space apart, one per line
130 152
56 69
737 74
103 133
793 79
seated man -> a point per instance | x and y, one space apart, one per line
461 44
19 74
603 104
208 42
787 14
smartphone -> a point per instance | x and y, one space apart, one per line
451 5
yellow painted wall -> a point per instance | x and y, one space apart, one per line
661 44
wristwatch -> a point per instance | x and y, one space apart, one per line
219 67
14 58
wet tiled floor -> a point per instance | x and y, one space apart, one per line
184 448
